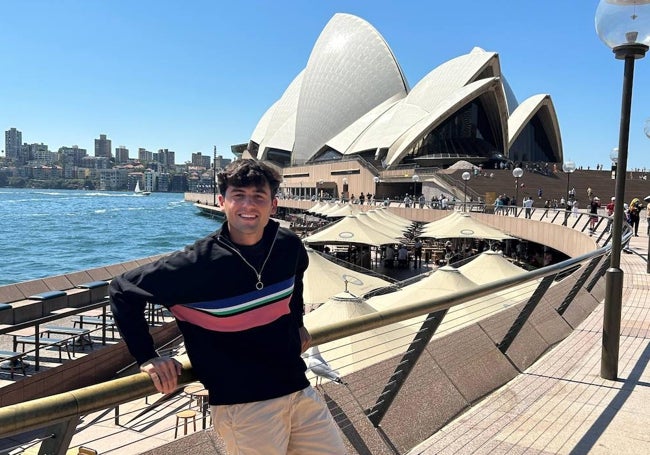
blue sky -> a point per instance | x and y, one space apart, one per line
193 74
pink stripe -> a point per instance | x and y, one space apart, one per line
236 323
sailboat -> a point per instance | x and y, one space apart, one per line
138 191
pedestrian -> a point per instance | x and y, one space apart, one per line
634 213
528 205
417 253
594 205
237 298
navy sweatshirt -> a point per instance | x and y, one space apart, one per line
239 310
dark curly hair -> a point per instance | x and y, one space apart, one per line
248 172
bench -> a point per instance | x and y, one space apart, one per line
44 342
96 321
49 295
14 359
6 313
97 289
51 300
83 334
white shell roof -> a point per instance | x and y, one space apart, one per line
541 105
353 97
350 71
278 126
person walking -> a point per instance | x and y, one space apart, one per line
594 205
528 206
237 299
634 213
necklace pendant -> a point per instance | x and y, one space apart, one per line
259 286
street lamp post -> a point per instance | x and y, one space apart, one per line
416 179
376 180
517 173
624 26
613 155
568 167
465 176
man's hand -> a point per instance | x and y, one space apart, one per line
164 372
305 339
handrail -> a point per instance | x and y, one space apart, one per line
43 412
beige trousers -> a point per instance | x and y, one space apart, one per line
296 424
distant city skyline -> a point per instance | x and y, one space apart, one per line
107 145
194 75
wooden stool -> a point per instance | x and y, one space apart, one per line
185 415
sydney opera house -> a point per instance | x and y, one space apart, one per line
353 99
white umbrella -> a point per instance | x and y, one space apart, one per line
384 221
385 227
323 279
490 266
383 211
350 230
444 281
357 352
462 226
344 210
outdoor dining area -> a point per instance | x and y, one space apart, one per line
66 331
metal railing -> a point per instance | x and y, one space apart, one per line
56 417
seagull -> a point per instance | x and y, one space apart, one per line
317 364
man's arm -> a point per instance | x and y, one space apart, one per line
128 303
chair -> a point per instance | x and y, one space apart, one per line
185 415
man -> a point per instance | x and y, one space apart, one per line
237 298
417 253
528 205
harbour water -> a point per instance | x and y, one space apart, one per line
52 232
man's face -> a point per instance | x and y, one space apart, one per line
248 210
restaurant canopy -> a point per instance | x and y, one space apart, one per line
457 225
344 210
386 227
350 230
324 278
491 266
355 352
444 281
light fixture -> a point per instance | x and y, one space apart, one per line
466 175
568 167
416 179
613 155
517 173
624 26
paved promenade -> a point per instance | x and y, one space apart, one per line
561 405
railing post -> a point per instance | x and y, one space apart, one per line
404 367
59 442
577 286
525 313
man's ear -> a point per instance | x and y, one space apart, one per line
220 199
274 206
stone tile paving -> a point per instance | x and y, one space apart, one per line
561 405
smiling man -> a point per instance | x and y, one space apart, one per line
237 299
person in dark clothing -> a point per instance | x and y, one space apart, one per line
237 298
634 213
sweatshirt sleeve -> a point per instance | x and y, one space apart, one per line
128 303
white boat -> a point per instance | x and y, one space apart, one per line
138 191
